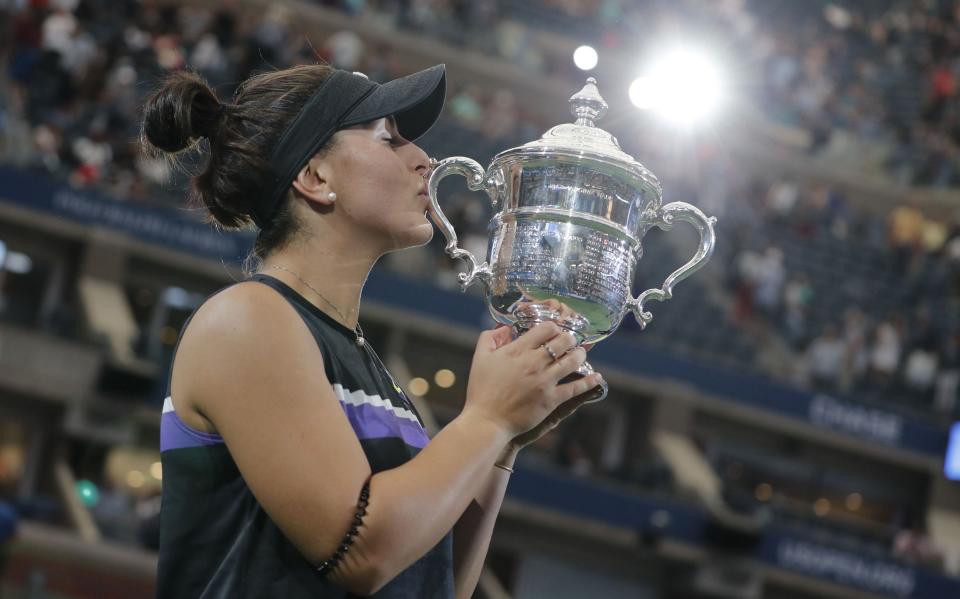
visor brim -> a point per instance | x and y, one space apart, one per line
415 101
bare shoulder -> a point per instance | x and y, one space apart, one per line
243 335
246 306
249 369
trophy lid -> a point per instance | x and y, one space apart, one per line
585 138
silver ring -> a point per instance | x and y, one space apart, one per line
553 356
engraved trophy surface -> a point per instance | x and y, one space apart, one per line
572 209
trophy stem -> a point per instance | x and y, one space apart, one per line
531 315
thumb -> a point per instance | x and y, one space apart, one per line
502 335
489 341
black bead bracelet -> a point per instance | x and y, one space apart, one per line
327 566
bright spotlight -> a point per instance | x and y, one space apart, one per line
683 86
645 93
585 57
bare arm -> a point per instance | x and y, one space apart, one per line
253 369
471 535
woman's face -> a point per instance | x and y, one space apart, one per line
379 179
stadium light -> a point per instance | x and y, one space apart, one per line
18 263
418 386
445 378
684 86
88 492
585 57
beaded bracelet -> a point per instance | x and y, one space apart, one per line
327 566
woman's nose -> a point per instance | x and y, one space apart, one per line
422 162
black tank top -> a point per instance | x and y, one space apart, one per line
215 539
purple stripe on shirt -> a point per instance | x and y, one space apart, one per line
375 422
175 434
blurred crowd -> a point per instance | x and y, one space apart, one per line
887 75
870 304
76 72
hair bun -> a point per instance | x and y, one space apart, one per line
180 112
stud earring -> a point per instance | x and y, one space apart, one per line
332 197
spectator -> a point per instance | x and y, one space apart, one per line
748 270
798 297
885 354
345 50
855 332
947 386
906 228
825 359
769 278
920 370
466 107
782 199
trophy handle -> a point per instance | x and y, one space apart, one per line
666 216
476 181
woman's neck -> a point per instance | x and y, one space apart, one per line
330 276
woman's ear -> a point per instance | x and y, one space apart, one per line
311 183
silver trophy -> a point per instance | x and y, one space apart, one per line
572 212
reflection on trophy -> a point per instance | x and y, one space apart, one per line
572 212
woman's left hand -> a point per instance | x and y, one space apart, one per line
549 423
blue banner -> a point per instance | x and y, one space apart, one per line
788 549
882 576
179 229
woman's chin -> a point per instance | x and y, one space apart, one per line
417 235
424 233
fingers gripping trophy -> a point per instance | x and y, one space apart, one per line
572 209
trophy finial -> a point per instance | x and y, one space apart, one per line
588 105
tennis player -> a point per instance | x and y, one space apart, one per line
293 464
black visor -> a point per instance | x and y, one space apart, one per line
415 101
346 99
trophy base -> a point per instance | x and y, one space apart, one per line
593 395
531 315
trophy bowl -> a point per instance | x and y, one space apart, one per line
571 211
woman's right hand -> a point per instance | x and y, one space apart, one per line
513 383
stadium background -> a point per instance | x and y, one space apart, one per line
779 431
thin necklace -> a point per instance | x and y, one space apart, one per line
358 332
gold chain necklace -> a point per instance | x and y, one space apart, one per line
358 332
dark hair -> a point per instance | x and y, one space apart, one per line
185 109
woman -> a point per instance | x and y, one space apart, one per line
293 464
